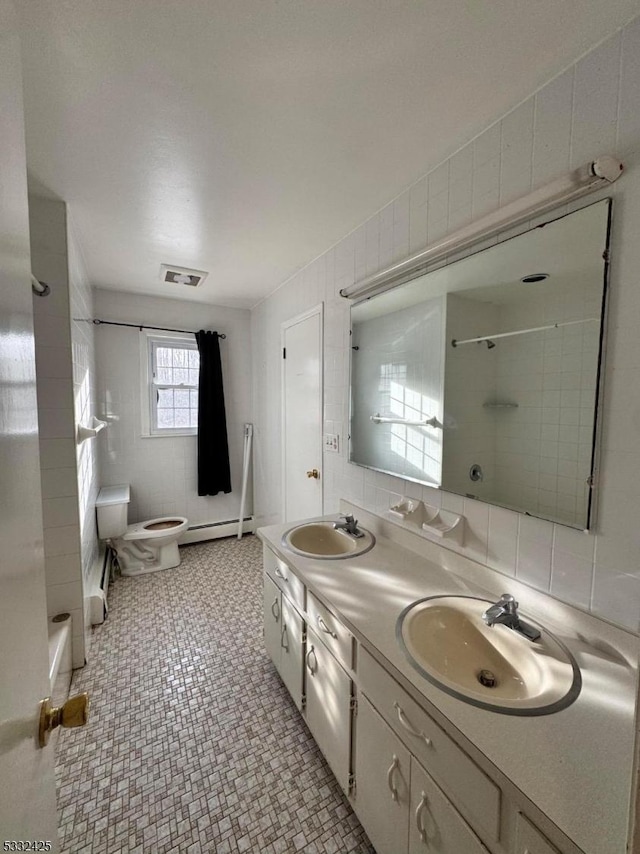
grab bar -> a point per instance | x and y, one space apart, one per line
426 422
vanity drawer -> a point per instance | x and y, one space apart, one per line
474 794
330 630
284 578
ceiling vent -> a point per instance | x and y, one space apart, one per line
182 276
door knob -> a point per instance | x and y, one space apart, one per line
313 473
75 712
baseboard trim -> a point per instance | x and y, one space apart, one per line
216 530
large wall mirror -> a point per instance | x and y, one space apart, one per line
482 377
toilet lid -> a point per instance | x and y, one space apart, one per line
164 524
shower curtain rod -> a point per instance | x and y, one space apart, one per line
142 326
455 342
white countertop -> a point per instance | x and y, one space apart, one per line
575 765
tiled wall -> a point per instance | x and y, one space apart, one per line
590 109
546 442
162 470
84 397
398 374
62 505
469 426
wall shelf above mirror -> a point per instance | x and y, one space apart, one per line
487 362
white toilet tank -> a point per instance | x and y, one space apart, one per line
112 505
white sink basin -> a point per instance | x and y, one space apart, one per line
494 667
322 540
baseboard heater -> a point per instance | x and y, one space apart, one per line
216 530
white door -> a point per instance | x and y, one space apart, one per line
27 791
302 415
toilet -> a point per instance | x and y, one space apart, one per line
144 547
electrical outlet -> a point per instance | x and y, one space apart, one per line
332 442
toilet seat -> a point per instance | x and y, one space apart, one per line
155 529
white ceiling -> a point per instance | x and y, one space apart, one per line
245 137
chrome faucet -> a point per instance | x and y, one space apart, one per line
349 526
505 611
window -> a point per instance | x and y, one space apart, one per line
173 366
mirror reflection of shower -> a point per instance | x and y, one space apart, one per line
528 411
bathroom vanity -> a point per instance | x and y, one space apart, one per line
424 770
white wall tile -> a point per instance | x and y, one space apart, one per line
571 578
629 115
59 512
517 152
552 133
57 453
534 563
63 569
59 482
63 598
616 597
62 541
502 540
476 529
595 106
56 423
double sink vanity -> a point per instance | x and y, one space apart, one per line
453 722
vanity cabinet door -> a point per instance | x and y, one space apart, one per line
382 776
328 707
530 840
291 651
272 602
436 826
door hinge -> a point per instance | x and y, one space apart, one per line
303 702
353 705
284 352
352 784
304 637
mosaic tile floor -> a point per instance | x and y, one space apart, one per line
193 744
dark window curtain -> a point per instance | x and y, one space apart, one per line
214 474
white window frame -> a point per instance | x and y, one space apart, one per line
148 388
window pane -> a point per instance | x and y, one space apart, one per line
165 398
193 377
164 375
182 417
193 399
180 376
163 356
181 398
180 358
166 418
193 418
194 359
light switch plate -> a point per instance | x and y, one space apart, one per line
332 442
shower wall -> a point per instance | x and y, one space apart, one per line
65 384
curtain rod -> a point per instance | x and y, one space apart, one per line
142 326
455 342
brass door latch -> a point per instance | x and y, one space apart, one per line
75 712
313 473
